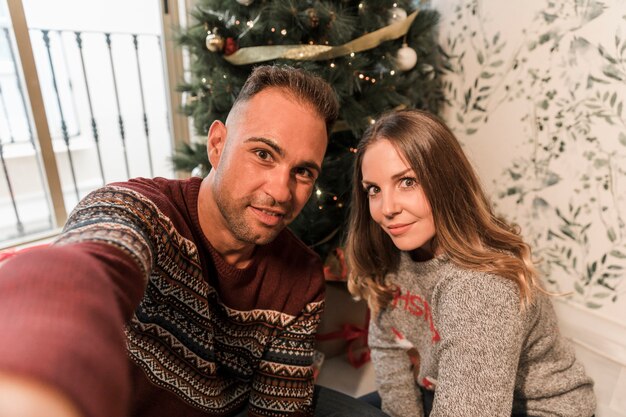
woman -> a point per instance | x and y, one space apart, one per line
459 320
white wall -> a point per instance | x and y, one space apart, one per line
536 94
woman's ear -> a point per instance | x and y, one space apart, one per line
215 142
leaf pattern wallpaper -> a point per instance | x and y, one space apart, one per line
536 93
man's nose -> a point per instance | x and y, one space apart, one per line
279 184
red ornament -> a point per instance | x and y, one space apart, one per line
230 47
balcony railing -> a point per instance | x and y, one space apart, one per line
106 104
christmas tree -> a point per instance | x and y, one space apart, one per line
378 55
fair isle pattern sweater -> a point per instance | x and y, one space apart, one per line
202 337
480 353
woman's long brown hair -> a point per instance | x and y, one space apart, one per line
467 230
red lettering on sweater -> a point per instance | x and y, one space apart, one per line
415 305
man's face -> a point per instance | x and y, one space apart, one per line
265 164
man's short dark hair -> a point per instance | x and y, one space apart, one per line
303 85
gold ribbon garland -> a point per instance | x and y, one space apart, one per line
254 54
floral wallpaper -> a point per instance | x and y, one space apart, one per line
536 94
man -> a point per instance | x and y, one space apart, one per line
184 298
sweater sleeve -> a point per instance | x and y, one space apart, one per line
394 375
283 383
64 306
479 319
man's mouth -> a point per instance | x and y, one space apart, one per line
268 217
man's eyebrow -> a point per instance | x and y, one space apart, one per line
280 151
269 143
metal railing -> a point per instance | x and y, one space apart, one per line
81 74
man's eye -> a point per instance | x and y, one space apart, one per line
263 154
304 172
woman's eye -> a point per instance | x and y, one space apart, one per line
372 190
408 182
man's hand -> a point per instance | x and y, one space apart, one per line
23 397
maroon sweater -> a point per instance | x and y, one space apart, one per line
132 312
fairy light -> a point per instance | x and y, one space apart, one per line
237 22
273 29
361 76
249 23
332 65
351 54
318 192
204 80
283 32
392 72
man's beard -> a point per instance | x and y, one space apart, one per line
234 212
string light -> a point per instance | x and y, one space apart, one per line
318 192
392 72
273 29
283 32
332 65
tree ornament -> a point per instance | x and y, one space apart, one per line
314 20
245 2
214 42
231 46
396 14
406 58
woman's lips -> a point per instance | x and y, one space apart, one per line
398 229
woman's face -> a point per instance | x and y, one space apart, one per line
396 200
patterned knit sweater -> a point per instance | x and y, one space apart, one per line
132 312
480 353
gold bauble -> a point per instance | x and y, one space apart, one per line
214 42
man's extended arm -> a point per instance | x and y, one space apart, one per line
64 306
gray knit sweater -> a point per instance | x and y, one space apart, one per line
480 353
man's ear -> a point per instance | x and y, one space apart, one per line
215 142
